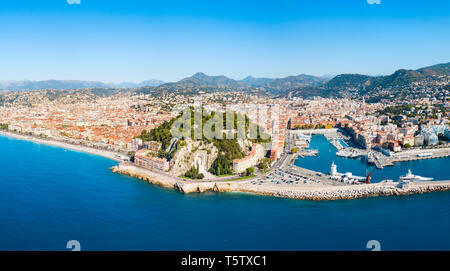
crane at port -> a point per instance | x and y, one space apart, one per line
368 176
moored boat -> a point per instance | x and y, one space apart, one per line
411 177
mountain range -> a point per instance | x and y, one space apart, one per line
205 82
300 85
364 84
308 85
399 78
70 84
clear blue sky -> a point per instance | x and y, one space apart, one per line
126 40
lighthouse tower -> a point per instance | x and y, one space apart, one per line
333 170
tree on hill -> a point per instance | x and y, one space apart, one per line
194 174
250 171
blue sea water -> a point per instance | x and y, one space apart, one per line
49 196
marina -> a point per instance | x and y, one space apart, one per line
359 166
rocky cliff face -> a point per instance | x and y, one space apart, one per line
245 145
194 153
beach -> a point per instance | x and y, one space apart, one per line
79 148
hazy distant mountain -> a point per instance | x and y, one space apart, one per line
49 84
256 82
201 79
328 76
151 83
148 83
293 82
69 84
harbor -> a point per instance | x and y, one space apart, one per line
386 168
420 154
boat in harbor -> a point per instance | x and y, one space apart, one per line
370 158
349 153
412 178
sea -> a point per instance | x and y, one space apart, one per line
49 196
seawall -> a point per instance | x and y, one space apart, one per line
316 193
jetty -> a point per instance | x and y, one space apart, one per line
378 159
420 154
315 190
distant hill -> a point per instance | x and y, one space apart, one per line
69 84
400 78
293 82
348 81
256 82
49 84
147 83
350 85
202 80
436 70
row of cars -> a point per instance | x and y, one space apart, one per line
279 177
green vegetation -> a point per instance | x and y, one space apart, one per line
264 163
221 166
407 146
160 134
4 126
396 110
250 171
228 146
194 174
294 150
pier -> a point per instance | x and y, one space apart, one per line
420 154
378 159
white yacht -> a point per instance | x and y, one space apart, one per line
411 177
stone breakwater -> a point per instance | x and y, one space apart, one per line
325 192
359 191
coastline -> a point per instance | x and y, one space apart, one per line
79 148
308 192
